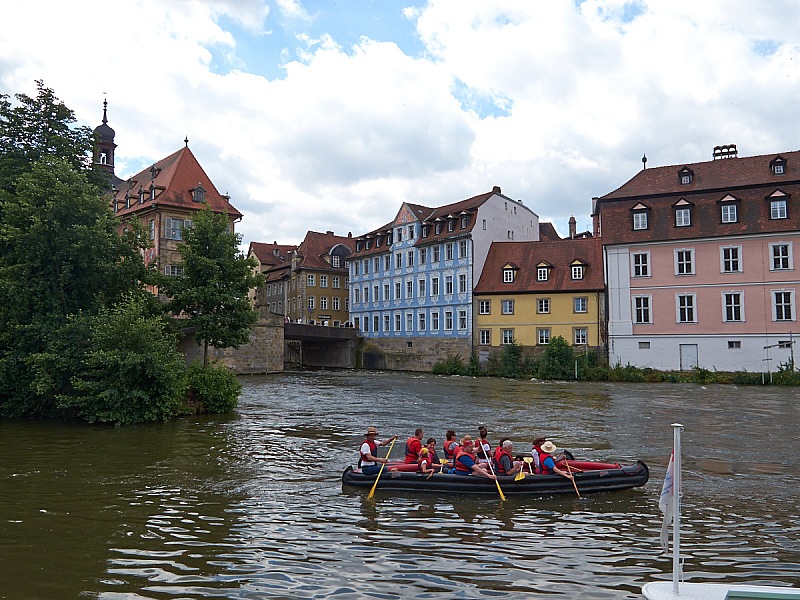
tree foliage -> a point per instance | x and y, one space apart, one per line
212 291
558 360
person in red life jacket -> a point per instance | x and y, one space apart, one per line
428 459
504 463
535 450
466 464
498 451
450 445
369 461
413 446
548 463
483 449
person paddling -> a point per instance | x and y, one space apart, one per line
413 446
369 461
465 463
548 464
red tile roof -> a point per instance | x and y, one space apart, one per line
175 178
527 255
548 233
316 246
270 254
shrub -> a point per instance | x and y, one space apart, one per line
452 365
213 389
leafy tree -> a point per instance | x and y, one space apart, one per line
212 291
213 389
558 360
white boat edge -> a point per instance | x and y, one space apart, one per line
664 590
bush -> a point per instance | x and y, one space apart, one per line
452 365
213 389
558 360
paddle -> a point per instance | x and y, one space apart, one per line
377 479
529 460
575 485
499 489
442 464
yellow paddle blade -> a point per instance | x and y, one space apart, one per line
443 461
520 475
527 459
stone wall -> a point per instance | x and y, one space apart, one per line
410 354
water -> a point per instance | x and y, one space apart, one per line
251 505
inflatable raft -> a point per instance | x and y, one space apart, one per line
590 477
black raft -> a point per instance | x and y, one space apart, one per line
613 478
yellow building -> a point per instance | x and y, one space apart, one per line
532 292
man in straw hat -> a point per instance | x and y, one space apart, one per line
369 461
547 462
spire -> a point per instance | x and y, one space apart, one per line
105 108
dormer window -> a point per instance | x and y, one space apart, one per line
358 246
378 242
152 192
141 195
683 213
639 214
366 245
778 165
577 268
543 271
438 228
464 222
685 176
778 205
508 274
729 209
199 194
127 200
424 231
450 225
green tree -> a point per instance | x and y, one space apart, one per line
558 360
212 291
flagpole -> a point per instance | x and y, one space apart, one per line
677 486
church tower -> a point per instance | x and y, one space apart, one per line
104 145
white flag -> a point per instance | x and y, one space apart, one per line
665 502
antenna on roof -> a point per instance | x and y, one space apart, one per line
644 162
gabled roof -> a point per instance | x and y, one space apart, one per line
725 173
270 254
316 246
173 178
548 233
559 255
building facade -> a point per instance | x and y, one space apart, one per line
532 292
269 256
700 263
413 277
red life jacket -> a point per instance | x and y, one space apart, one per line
450 449
458 464
413 446
542 456
373 450
498 465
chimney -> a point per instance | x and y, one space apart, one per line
349 234
572 224
496 189
726 151
328 233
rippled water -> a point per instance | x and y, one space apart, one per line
251 505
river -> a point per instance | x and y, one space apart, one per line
251 505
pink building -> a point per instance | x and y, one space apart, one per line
700 263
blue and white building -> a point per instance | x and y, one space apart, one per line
413 277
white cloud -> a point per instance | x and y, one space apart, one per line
553 101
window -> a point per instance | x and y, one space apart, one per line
434 321
398 261
782 308
641 310
781 256
464 222
366 266
448 284
732 307
436 252
778 169
410 258
641 264
323 281
438 228
543 306
399 234
336 301
684 263
376 293
577 271
323 303
542 273
484 224
639 220
421 288
686 179
730 259
411 232
462 249
462 320
683 217
580 304
409 322
685 308
421 320
386 323
508 275
542 337
356 295
376 323
173 228
644 345
734 345
507 307
336 283
448 251
579 336
311 303
397 321
356 269
508 336
423 255
387 294
387 262
462 283
485 337
376 264
777 209
729 213
335 261
424 231
409 289
310 280
448 320
151 228
397 290
450 225
173 270
434 286
484 307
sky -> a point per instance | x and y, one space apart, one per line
327 116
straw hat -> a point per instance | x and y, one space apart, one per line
371 431
548 447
